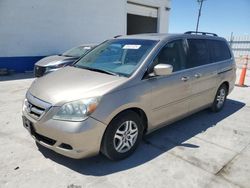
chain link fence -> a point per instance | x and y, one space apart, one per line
241 48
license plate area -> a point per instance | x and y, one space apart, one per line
41 138
28 125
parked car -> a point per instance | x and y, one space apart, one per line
125 88
55 62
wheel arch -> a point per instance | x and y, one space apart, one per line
226 83
141 113
136 110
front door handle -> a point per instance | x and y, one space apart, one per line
185 78
197 75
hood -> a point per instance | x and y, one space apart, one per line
70 83
54 60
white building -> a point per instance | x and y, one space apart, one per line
30 29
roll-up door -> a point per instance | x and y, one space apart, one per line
141 19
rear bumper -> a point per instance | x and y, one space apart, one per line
232 81
72 139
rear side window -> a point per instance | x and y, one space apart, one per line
218 51
198 53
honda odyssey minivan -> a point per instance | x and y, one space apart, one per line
127 87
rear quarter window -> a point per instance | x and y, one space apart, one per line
219 50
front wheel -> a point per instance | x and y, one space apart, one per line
122 136
219 99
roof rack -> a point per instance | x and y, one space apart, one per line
202 33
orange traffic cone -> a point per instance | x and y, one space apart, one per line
243 74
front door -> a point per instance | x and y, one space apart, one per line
170 94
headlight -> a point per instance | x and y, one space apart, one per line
77 110
25 104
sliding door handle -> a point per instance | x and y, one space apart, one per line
185 78
197 75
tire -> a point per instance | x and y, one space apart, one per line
220 99
122 136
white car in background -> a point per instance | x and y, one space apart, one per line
55 62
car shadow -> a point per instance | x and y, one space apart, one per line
153 144
18 76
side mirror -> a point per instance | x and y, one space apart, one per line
163 69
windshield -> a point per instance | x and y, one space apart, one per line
77 51
119 56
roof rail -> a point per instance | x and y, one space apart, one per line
202 33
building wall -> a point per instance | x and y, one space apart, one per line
31 29
49 27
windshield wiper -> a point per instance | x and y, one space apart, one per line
67 55
100 70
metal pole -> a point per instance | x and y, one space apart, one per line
231 39
199 15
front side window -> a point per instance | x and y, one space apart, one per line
118 56
173 54
198 53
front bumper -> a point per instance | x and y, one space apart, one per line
72 139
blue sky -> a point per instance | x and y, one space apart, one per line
218 16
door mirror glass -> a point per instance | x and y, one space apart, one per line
163 69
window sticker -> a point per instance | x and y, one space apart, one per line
87 48
131 46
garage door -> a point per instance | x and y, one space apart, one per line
141 19
141 10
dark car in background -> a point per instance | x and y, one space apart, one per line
55 62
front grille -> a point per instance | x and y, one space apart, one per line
35 107
39 71
34 111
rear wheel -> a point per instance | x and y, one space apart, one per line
220 98
122 136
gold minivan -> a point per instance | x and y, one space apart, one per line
127 87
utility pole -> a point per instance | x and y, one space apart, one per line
199 15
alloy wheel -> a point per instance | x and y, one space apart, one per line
125 136
221 97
